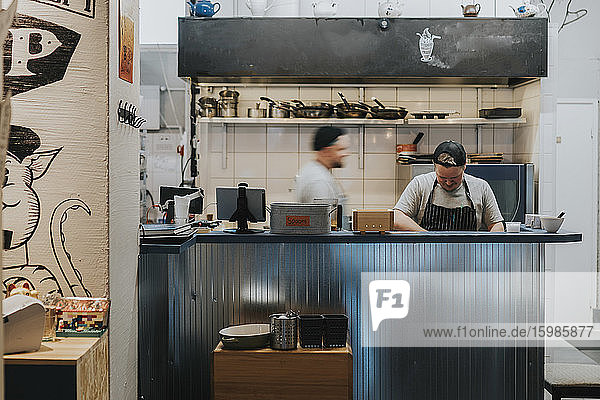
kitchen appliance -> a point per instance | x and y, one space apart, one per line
470 10
500 112
248 336
390 8
300 219
23 323
512 184
324 8
167 200
203 8
310 331
527 9
335 331
372 220
284 331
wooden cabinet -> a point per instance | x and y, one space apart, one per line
324 374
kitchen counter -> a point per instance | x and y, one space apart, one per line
190 289
177 244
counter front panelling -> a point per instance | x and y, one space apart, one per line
221 280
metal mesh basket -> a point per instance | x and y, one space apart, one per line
300 219
335 330
311 330
284 331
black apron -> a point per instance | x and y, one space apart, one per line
437 218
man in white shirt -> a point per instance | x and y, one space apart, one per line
315 180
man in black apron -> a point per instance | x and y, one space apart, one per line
448 199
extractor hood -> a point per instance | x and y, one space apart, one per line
478 51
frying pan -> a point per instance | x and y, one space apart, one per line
278 109
382 112
249 336
350 110
317 110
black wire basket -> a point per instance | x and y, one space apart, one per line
311 330
335 330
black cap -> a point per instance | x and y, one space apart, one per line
450 154
325 136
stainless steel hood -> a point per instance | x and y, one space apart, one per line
430 51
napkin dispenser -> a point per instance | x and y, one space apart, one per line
23 319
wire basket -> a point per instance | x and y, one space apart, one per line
311 330
335 330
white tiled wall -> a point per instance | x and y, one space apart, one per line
271 155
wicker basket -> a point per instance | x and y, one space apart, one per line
300 219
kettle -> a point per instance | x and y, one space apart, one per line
471 10
390 8
527 9
324 8
203 8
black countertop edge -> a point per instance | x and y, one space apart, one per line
176 245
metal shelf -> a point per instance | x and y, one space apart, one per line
362 121
465 121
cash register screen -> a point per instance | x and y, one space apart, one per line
227 202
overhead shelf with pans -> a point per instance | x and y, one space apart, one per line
362 121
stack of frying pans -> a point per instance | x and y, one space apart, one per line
382 112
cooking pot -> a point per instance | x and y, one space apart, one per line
314 110
278 109
228 94
208 106
257 112
248 336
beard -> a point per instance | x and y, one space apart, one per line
338 164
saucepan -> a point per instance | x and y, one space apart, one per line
313 110
248 336
350 110
383 112
279 109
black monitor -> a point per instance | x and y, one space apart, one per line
241 204
169 192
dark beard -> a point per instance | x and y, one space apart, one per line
338 164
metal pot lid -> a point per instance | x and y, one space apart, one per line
246 330
234 94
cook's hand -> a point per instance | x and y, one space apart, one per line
403 222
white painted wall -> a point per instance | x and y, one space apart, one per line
123 205
158 20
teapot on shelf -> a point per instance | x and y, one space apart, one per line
203 8
324 8
471 10
527 9
390 8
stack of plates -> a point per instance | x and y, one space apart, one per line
485 158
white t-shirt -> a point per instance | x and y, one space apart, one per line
413 200
316 182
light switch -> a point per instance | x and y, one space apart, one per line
558 139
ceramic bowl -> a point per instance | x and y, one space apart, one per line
513 227
551 224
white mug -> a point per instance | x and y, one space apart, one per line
258 8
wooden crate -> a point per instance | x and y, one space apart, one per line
372 220
324 374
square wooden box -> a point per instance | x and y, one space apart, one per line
324 374
372 220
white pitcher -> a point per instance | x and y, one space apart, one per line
324 8
258 8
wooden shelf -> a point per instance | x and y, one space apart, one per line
362 121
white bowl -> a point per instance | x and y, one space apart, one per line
513 227
551 224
